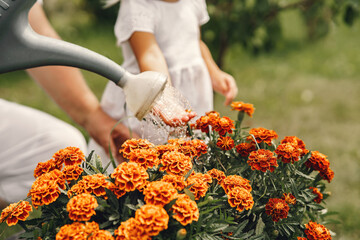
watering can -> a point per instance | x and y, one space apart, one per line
22 48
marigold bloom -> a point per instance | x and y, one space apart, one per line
262 160
232 181
315 231
244 149
240 198
224 125
161 149
289 198
327 175
319 195
301 238
225 143
81 207
153 219
72 172
262 135
159 193
217 174
94 184
318 161
176 163
287 153
100 235
75 230
214 116
45 189
131 230
69 156
243 107
185 210
147 158
130 176
131 144
199 184
177 181
116 190
45 167
277 209
15 212
296 142
203 124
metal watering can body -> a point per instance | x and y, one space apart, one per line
22 48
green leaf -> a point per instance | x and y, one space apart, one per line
259 227
218 227
189 193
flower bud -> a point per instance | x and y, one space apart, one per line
276 233
181 234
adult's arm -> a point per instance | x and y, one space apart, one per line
68 88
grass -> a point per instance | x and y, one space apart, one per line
311 90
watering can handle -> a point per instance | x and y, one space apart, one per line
22 48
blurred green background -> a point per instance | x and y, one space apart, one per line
310 89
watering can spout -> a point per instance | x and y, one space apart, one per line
22 48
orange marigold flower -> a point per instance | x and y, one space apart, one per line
69 156
131 144
298 143
287 153
81 207
72 172
233 181
153 219
203 124
200 146
75 230
327 175
315 231
45 167
101 235
199 184
116 190
91 227
262 135
318 161
225 143
161 149
184 146
217 174
301 238
277 209
185 210
175 163
177 181
45 189
131 230
130 176
147 158
224 125
240 198
94 184
243 107
289 198
213 117
244 149
15 212
319 195
159 193
262 160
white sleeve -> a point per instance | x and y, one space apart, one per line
40 1
134 15
201 11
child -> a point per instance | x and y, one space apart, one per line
164 36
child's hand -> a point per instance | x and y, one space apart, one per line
178 116
224 84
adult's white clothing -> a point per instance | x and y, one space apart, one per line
176 27
29 136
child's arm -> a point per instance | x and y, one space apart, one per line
222 82
150 58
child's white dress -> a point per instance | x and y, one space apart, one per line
176 26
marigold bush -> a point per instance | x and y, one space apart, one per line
222 181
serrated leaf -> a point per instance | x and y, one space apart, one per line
259 227
189 193
218 227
